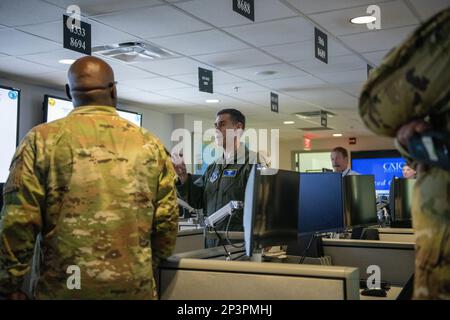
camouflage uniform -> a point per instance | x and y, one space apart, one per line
101 192
412 83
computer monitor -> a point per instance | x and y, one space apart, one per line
9 128
400 199
360 201
383 164
270 208
321 203
57 108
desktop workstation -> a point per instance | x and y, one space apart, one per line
308 207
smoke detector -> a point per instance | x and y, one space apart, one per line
132 52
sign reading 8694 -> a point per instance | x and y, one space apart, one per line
77 35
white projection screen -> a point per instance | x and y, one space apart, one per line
56 108
9 127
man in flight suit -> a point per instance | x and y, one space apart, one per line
225 179
101 192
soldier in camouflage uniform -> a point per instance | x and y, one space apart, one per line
412 85
99 189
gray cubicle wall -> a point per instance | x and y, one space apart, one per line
205 275
395 259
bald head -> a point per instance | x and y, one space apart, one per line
91 82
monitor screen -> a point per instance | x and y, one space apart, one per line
400 199
360 200
9 127
384 165
270 208
56 108
321 203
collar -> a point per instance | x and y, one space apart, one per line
346 172
104 110
240 155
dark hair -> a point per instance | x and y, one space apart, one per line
235 115
342 151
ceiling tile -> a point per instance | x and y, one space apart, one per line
237 59
16 66
52 58
377 40
281 71
304 50
234 89
329 98
154 84
153 22
344 76
426 9
311 6
376 57
274 32
338 22
292 83
90 7
219 77
20 43
220 12
171 67
335 64
352 88
123 72
101 34
202 42
58 78
24 12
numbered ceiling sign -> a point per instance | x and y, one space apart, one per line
274 102
245 8
205 80
321 45
77 35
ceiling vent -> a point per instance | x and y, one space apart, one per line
314 117
132 52
313 114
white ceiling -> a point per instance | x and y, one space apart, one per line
209 34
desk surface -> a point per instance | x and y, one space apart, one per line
392 294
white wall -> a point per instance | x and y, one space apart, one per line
31 110
362 144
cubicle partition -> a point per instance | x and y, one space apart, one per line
395 259
206 275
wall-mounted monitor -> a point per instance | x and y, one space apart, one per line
56 108
384 165
9 128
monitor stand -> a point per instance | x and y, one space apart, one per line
256 255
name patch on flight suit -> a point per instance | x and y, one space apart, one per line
230 173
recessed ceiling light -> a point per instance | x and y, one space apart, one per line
212 101
337 135
289 122
363 19
66 61
265 73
